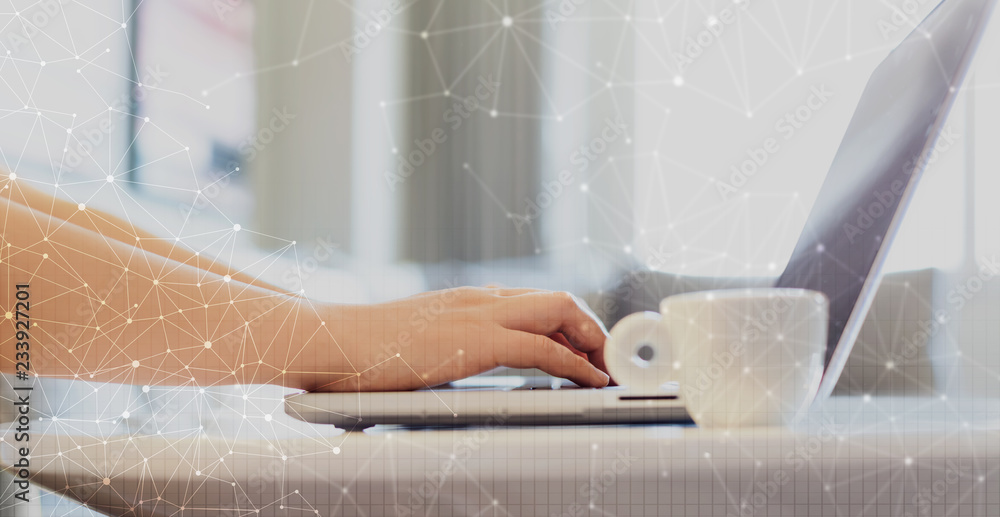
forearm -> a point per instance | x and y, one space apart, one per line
107 311
112 227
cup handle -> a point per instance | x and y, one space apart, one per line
638 353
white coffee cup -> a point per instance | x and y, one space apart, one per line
742 357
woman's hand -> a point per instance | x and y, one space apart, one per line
440 336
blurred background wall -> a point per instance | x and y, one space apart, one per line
291 140
328 145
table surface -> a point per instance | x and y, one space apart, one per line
853 456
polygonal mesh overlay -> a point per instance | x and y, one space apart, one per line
215 315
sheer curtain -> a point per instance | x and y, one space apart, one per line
472 111
510 180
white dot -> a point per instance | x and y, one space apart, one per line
295 62
12 176
336 450
507 21
267 418
126 414
678 81
424 35
123 25
135 364
145 389
908 461
110 178
237 227
208 344
493 113
82 206
227 278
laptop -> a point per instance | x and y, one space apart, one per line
875 172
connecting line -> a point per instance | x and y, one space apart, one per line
445 404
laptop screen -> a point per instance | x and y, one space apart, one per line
880 158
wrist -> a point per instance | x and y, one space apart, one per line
320 356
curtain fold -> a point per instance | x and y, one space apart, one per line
475 84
